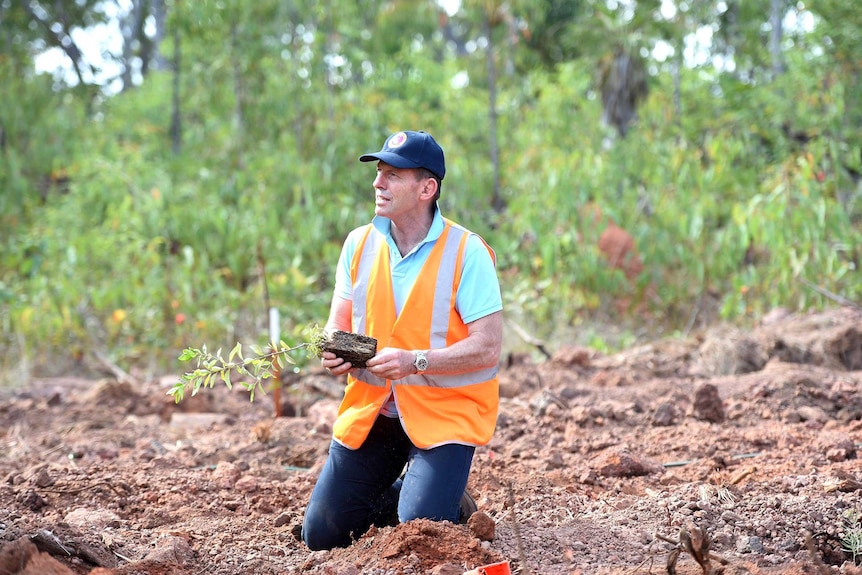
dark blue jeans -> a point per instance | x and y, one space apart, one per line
358 488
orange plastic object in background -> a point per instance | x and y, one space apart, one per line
501 568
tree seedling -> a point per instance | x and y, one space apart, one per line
209 368
851 542
696 542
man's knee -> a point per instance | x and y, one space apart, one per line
318 537
314 541
321 532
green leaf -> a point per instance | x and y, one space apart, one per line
188 354
177 391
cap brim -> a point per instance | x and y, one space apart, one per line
389 158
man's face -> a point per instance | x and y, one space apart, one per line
396 191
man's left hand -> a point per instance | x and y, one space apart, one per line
391 363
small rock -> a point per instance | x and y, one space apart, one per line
226 474
172 550
246 484
730 517
617 462
837 446
665 415
707 404
570 356
555 461
296 531
588 477
482 526
755 544
32 500
22 557
92 518
810 413
42 478
322 415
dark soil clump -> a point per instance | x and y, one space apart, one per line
351 347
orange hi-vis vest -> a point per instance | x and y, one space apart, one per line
434 409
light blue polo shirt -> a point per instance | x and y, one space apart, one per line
478 293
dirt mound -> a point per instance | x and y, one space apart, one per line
734 450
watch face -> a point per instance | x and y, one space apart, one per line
421 362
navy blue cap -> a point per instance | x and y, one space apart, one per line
411 150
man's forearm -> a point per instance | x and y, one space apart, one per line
480 349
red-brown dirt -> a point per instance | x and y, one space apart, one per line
751 438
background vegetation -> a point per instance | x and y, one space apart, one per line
170 190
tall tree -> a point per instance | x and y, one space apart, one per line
54 24
776 24
497 202
141 49
841 33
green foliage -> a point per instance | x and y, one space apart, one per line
553 35
38 133
732 188
209 367
802 232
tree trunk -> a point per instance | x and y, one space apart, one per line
497 202
130 25
160 15
176 127
238 92
776 16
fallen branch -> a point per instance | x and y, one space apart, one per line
522 333
833 296
119 374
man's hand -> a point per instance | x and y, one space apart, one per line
334 364
391 363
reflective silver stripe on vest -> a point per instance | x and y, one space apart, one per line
449 381
366 376
443 288
360 288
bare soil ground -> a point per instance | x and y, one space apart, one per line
748 442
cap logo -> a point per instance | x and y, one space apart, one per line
397 140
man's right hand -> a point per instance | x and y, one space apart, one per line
334 364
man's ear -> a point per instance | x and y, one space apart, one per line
429 190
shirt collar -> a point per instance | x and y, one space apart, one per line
384 226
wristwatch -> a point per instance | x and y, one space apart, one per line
421 362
